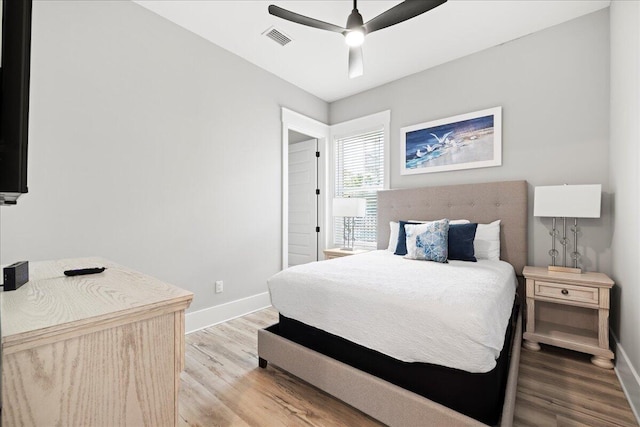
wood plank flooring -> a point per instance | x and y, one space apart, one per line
223 386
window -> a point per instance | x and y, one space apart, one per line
359 162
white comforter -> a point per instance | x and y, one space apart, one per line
452 314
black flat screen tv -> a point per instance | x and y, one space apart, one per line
14 98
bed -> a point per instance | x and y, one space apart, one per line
389 383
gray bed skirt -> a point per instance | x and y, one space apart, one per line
380 399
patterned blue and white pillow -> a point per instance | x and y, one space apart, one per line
428 241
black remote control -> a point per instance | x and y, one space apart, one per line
82 271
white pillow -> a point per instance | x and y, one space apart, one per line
394 230
393 235
486 245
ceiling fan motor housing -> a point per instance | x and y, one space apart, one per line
355 20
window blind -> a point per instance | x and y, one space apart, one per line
359 172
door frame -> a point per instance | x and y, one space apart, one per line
320 131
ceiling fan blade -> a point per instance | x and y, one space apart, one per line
304 20
356 63
406 10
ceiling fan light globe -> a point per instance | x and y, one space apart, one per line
354 38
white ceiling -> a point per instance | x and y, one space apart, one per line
316 60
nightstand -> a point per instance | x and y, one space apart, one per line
337 253
569 310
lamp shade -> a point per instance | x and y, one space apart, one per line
349 207
569 201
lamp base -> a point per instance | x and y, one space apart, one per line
557 269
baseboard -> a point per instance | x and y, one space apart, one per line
629 379
221 313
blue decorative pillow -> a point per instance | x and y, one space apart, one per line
401 246
428 241
461 237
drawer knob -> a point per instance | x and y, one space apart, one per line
565 292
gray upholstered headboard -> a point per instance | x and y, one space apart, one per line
482 203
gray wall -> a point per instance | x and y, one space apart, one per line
625 185
554 89
154 148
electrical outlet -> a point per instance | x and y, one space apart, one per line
219 286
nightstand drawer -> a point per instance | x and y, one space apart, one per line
564 292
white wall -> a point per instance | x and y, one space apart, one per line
553 86
625 186
154 148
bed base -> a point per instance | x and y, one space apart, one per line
380 399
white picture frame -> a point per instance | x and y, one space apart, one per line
466 141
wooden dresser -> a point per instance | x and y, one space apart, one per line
102 350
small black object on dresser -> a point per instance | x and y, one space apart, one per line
83 271
16 275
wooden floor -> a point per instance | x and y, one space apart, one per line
223 386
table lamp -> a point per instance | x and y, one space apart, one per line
566 201
349 208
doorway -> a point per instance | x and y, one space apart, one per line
302 128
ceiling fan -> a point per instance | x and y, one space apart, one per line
356 29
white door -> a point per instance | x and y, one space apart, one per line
303 202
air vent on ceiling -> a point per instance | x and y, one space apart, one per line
277 36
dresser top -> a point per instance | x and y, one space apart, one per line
53 302
587 278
